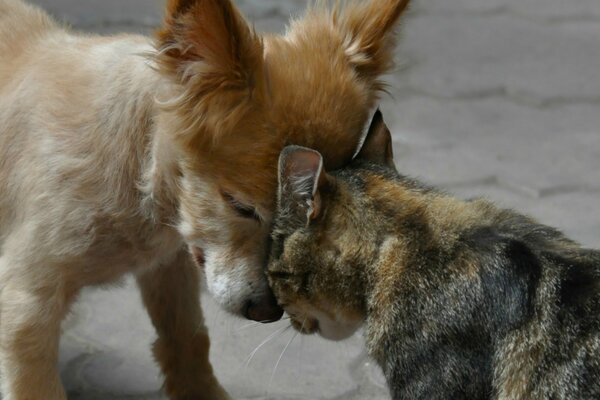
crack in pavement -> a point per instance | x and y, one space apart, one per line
546 192
508 11
522 98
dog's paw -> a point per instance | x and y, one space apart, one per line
205 396
212 391
216 392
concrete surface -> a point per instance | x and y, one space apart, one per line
496 98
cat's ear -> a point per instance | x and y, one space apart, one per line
377 147
301 177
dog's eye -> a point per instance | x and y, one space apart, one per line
243 210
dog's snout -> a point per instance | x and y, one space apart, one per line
264 310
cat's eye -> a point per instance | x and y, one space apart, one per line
243 210
276 245
281 275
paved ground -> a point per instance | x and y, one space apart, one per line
497 98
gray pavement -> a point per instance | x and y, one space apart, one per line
495 98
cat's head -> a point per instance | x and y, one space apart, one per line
326 234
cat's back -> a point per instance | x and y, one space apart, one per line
555 351
509 309
541 306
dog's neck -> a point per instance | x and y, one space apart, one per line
157 177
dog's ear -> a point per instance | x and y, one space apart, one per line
209 37
209 48
301 180
370 30
377 147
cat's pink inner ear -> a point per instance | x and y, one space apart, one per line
301 173
377 146
303 163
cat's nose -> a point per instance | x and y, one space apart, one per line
264 310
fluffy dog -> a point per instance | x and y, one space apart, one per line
126 155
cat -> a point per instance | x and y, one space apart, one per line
459 299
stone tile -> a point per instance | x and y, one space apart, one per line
110 16
271 15
310 367
82 14
492 56
537 151
548 10
106 349
575 214
108 346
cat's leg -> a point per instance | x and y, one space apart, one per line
171 295
32 307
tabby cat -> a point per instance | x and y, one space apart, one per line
459 299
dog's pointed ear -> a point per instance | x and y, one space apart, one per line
301 180
209 50
209 40
370 29
377 147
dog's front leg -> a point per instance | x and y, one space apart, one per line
30 315
171 295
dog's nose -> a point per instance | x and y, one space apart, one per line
264 310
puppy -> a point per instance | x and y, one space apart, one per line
155 157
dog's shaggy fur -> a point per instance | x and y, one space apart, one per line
122 154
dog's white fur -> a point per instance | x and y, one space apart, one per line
95 180
75 139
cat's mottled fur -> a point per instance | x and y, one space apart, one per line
459 299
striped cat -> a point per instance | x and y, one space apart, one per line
459 299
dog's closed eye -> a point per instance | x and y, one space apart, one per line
243 210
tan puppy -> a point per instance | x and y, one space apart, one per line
122 154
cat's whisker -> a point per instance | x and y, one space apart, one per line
302 326
300 348
249 325
269 338
279 360
256 323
